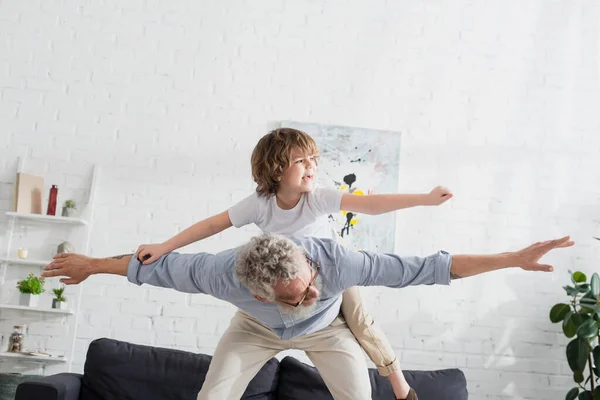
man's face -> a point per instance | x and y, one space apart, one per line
304 288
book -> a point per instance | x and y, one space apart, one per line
28 193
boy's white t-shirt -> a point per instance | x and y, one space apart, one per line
308 218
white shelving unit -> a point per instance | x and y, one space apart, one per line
48 218
26 261
32 358
83 227
35 309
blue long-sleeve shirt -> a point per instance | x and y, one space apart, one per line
341 268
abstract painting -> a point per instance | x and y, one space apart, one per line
358 161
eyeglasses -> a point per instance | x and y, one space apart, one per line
314 265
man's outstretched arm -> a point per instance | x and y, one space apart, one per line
77 267
381 269
464 265
190 273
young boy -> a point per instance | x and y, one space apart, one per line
286 201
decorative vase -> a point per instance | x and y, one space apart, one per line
29 300
59 305
15 341
69 212
65 247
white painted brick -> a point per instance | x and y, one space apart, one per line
120 292
167 295
165 338
92 332
163 323
121 321
182 311
137 307
47 329
142 323
99 319
184 325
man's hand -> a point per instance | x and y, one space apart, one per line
528 257
76 268
437 196
464 265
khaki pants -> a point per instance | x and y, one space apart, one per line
367 332
247 345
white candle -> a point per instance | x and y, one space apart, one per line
22 253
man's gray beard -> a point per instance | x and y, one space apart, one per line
304 311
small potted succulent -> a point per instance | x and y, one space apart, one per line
30 288
69 208
59 301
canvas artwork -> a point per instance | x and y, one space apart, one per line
358 160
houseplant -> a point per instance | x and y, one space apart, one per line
30 288
69 208
580 318
59 301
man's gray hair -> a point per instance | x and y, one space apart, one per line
265 260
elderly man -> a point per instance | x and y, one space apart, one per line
288 291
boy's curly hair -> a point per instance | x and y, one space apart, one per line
272 155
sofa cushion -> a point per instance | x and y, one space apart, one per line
298 381
121 370
10 381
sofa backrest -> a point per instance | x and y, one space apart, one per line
299 381
119 370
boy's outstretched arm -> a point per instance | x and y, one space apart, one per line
148 253
375 204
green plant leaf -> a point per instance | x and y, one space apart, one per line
597 393
583 288
578 377
588 329
558 312
595 284
570 290
572 394
578 277
587 395
588 301
577 353
596 354
569 327
578 319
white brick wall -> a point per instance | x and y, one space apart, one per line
499 103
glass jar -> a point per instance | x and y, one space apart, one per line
15 341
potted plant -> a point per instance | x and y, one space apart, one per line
59 302
580 318
30 288
69 208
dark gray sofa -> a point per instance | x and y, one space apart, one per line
125 371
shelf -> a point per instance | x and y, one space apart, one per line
35 309
26 261
47 218
33 358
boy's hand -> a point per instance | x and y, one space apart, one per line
148 253
437 196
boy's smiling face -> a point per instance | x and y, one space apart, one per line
300 175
